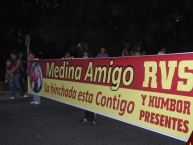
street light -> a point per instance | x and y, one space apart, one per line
177 19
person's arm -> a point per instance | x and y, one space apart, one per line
17 66
123 53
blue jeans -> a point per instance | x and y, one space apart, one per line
15 82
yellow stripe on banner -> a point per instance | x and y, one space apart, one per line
163 113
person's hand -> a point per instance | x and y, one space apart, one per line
84 57
71 57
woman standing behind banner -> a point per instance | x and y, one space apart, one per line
89 116
36 98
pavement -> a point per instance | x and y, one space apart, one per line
55 123
6 95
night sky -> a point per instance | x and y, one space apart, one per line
56 26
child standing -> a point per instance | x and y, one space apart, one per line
9 66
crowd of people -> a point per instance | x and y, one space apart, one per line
15 71
127 51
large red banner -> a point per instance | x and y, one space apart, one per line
155 90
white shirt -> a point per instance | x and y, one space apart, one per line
161 53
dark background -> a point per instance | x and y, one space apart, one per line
59 25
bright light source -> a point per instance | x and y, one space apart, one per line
115 28
177 19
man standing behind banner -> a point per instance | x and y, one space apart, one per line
35 81
102 54
163 50
126 49
89 116
137 52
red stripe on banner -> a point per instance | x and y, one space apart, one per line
171 74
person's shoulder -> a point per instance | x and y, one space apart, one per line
160 53
99 54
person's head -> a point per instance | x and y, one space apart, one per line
143 53
163 49
8 62
67 54
13 55
127 45
31 55
20 54
103 50
138 48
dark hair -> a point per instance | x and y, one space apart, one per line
67 51
14 53
20 53
8 60
162 47
36 65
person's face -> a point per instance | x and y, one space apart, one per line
143 53
13 56
85 53
31 56
127 47
21 55
163 49
67 55
138 48
103 50
8 63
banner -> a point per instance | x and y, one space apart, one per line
152 92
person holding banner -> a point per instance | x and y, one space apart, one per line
163 50
137 52
125 50
35 81
102 54
89 116
67 55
